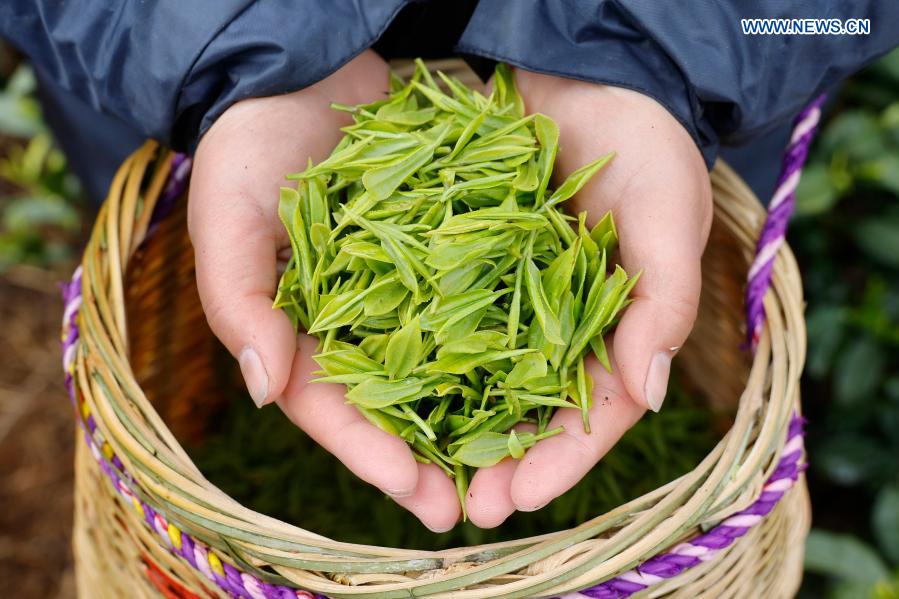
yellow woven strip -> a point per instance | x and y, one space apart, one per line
175 536
216 564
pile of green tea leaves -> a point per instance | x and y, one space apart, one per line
262 460
448 291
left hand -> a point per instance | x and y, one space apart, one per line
658 190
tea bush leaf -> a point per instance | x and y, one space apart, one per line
843 556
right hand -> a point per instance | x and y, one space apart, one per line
234 226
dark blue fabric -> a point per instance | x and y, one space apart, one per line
277 46
581 39
95 144
124 59
690 55
168 68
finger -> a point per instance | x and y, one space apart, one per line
663 218
489 501
434 501
665 241
320 409
557 463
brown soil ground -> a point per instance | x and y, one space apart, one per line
36 440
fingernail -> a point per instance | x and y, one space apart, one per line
254 375
439 530
657 380
531 509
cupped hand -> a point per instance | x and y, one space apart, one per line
233 222
658 190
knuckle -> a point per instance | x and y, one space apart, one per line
685 308
217 316
581 448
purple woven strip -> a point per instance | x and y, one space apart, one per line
780 209
235 582
187 549
704 547
71 297
176 185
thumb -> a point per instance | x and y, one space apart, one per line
666 299
650 333
236 252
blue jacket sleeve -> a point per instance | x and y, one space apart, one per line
690 55
168 68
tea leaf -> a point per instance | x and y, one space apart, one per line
549 322
456 306
465 362
504 84
403 350
385 299
598 345
375 346
531 366
383 181
548 135
556 279
576 181
340 311
347 361
376 393
366 250
490 448
516 449
473 343
604 233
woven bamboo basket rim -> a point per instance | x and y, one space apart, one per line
161 474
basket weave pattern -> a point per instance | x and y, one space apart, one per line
144 371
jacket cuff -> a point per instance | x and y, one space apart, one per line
275 47
591 41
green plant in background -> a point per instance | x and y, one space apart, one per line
20 114
846 237
38 216
855 566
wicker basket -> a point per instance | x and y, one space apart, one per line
140 355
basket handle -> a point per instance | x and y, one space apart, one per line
780 209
